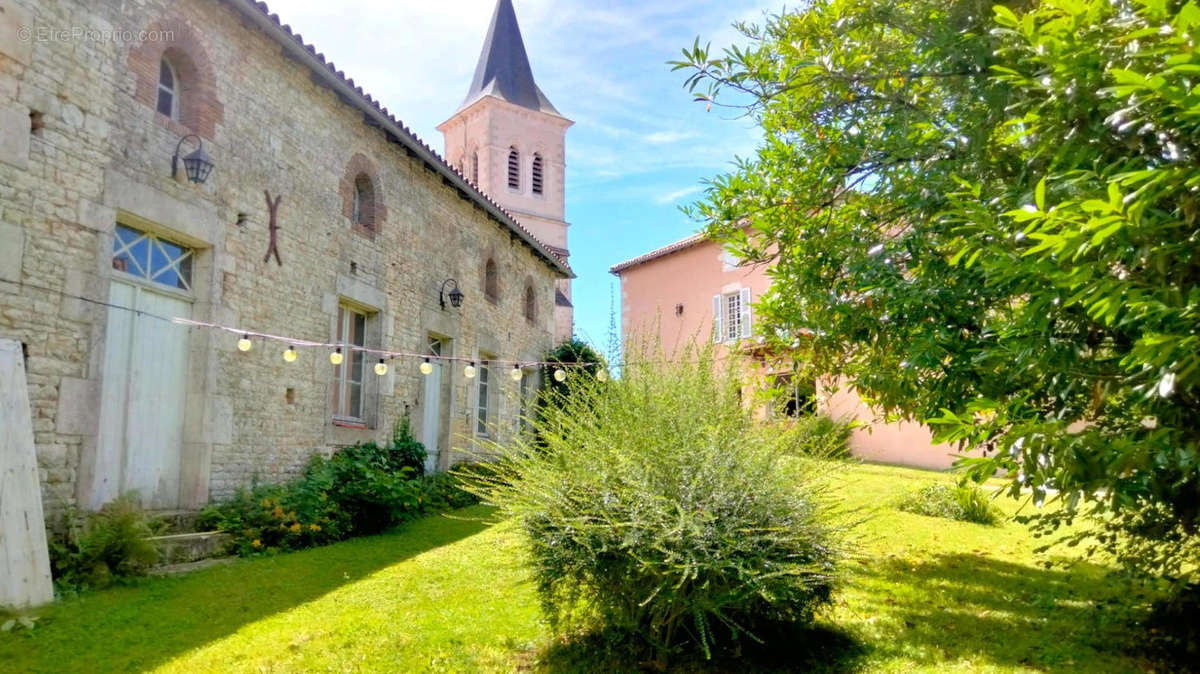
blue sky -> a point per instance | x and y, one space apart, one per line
639 147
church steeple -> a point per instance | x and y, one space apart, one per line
510 142
503 70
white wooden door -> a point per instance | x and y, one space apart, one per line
431 415
144 391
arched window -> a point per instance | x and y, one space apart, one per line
491 281
530 304
514 168
168 90
475 167
363 212
537 174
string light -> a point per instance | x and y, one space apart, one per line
336 357
290 354
244 344
560 375
469 371
381 368
517 373
601 375
426 367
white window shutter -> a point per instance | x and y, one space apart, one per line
745 313
718 333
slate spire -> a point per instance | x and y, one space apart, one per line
503 70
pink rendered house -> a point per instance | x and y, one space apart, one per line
694 290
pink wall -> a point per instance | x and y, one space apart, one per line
650 293
690 276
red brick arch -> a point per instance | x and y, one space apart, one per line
359 167
199 109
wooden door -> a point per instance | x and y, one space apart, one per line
144 387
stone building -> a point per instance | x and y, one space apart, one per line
100 239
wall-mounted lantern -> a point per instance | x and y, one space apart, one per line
455 294
197 164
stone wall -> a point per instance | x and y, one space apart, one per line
84 147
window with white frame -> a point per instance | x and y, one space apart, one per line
731 316
348 376
481 408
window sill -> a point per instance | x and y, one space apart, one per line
354 424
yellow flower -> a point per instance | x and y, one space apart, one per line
315 527
295 528
278 512
257 543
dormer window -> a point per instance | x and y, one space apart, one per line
168 90
537 174
514 169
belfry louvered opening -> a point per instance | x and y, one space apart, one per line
514 168
537 174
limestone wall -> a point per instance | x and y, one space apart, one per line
83 149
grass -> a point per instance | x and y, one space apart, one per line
447 593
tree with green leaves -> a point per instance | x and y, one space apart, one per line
986 218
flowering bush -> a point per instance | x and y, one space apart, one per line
360 490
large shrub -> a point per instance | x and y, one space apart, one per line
653 509
100 547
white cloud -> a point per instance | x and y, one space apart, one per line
667 137
672 197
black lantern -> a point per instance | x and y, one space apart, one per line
197 164
455 294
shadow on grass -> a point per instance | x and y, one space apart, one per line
785 648
970 607
137 627
955 608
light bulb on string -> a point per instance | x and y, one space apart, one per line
560 375
290 355
426 367
469 371
381 368
516 373
601 375
336 357
244 344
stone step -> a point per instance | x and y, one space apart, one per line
191 547
188 567
164 522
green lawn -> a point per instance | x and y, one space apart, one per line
448 594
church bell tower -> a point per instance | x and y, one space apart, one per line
510 141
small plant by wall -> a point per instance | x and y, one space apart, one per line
964 502
100 548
